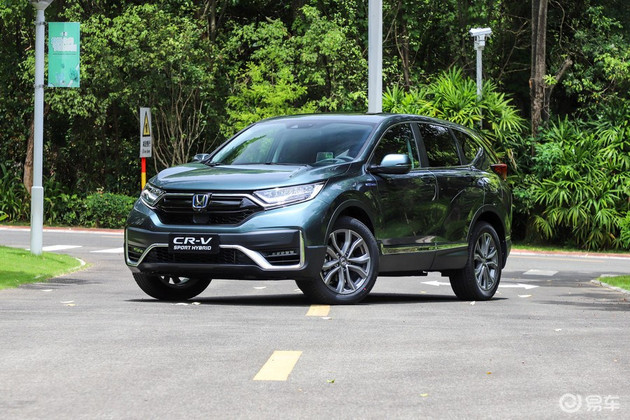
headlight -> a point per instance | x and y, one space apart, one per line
151 195
289 195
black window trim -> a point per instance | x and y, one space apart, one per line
416 136
424 150
460 149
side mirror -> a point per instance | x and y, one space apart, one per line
392 164
200 157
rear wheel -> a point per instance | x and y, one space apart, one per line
350 266
480 278
168 287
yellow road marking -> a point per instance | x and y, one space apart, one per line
318 310
279 366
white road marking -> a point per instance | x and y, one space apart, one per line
109 251
510 285
436 283
59 247
535 272
518 285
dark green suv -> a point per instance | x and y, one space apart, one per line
331 201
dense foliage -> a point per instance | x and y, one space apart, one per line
208 68
580 183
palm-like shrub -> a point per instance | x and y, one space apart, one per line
581 181
14 199
453 97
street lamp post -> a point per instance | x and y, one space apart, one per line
480 35
375 56
37 191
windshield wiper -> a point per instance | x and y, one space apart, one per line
286 164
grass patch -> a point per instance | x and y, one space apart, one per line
622 282
18 266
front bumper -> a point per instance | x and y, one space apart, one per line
266 254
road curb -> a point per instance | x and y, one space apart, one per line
66 229
609 286
569 254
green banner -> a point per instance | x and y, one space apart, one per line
63 54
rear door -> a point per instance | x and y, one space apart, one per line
459 190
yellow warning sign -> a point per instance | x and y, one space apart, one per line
146 131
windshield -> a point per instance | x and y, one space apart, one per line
296 142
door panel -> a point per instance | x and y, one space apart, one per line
406 200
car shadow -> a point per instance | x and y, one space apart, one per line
301 300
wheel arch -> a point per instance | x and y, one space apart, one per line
356 211
490 216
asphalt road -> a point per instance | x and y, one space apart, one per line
92 345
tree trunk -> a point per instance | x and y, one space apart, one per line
27 179
402 45
213 21
549 90
539 68
28 162
405 55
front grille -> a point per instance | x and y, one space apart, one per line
177 209
225 257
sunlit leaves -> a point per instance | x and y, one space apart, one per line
582 189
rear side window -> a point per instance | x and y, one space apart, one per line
470 147
398 140
439 144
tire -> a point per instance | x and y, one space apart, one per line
350 267
480 278
167 287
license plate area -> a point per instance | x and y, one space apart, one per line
193 243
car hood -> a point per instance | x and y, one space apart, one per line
197 176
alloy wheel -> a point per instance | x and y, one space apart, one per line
348 263
486 258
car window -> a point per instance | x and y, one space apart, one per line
469 146
305 142
398 140
439 145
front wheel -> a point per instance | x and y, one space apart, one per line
168 287
479 279
350 267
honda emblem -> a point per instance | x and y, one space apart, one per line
200 201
